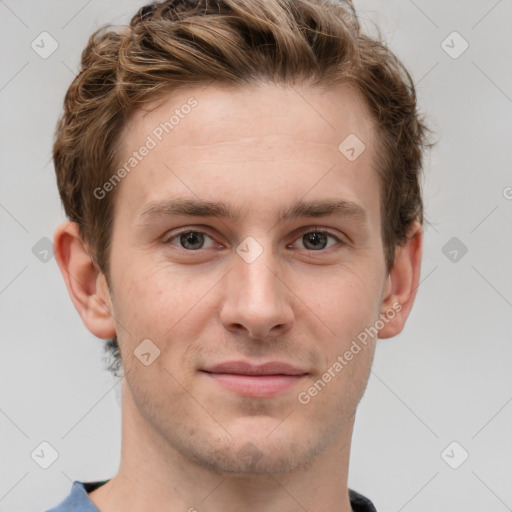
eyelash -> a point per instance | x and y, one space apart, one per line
301 234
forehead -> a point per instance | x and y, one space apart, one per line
226 113
266 143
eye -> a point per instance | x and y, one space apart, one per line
190 240
317 240
193 240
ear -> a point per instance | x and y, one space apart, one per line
402 283
86 284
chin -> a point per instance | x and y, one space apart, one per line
255 451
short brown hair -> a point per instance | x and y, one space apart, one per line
176 43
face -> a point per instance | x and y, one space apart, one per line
228 255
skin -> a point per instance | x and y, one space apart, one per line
257 149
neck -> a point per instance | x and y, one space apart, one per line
155 476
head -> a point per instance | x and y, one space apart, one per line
242 181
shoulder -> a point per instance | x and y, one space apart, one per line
360 503
78 499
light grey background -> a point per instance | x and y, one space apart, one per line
447 377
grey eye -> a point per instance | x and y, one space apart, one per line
315 240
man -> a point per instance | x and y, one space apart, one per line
242 183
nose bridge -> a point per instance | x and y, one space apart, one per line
257 280
256 298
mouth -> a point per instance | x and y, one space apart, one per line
257 381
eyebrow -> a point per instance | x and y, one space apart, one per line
220 209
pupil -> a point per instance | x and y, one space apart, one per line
314 239
193 238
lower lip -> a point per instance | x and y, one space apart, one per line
261 386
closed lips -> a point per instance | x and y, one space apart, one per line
244 368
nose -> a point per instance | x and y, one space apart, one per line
257 300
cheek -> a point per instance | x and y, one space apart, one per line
142 300
349 308
347 304
162 303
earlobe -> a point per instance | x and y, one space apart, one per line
86 284
402 283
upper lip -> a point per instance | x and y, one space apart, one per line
245 368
